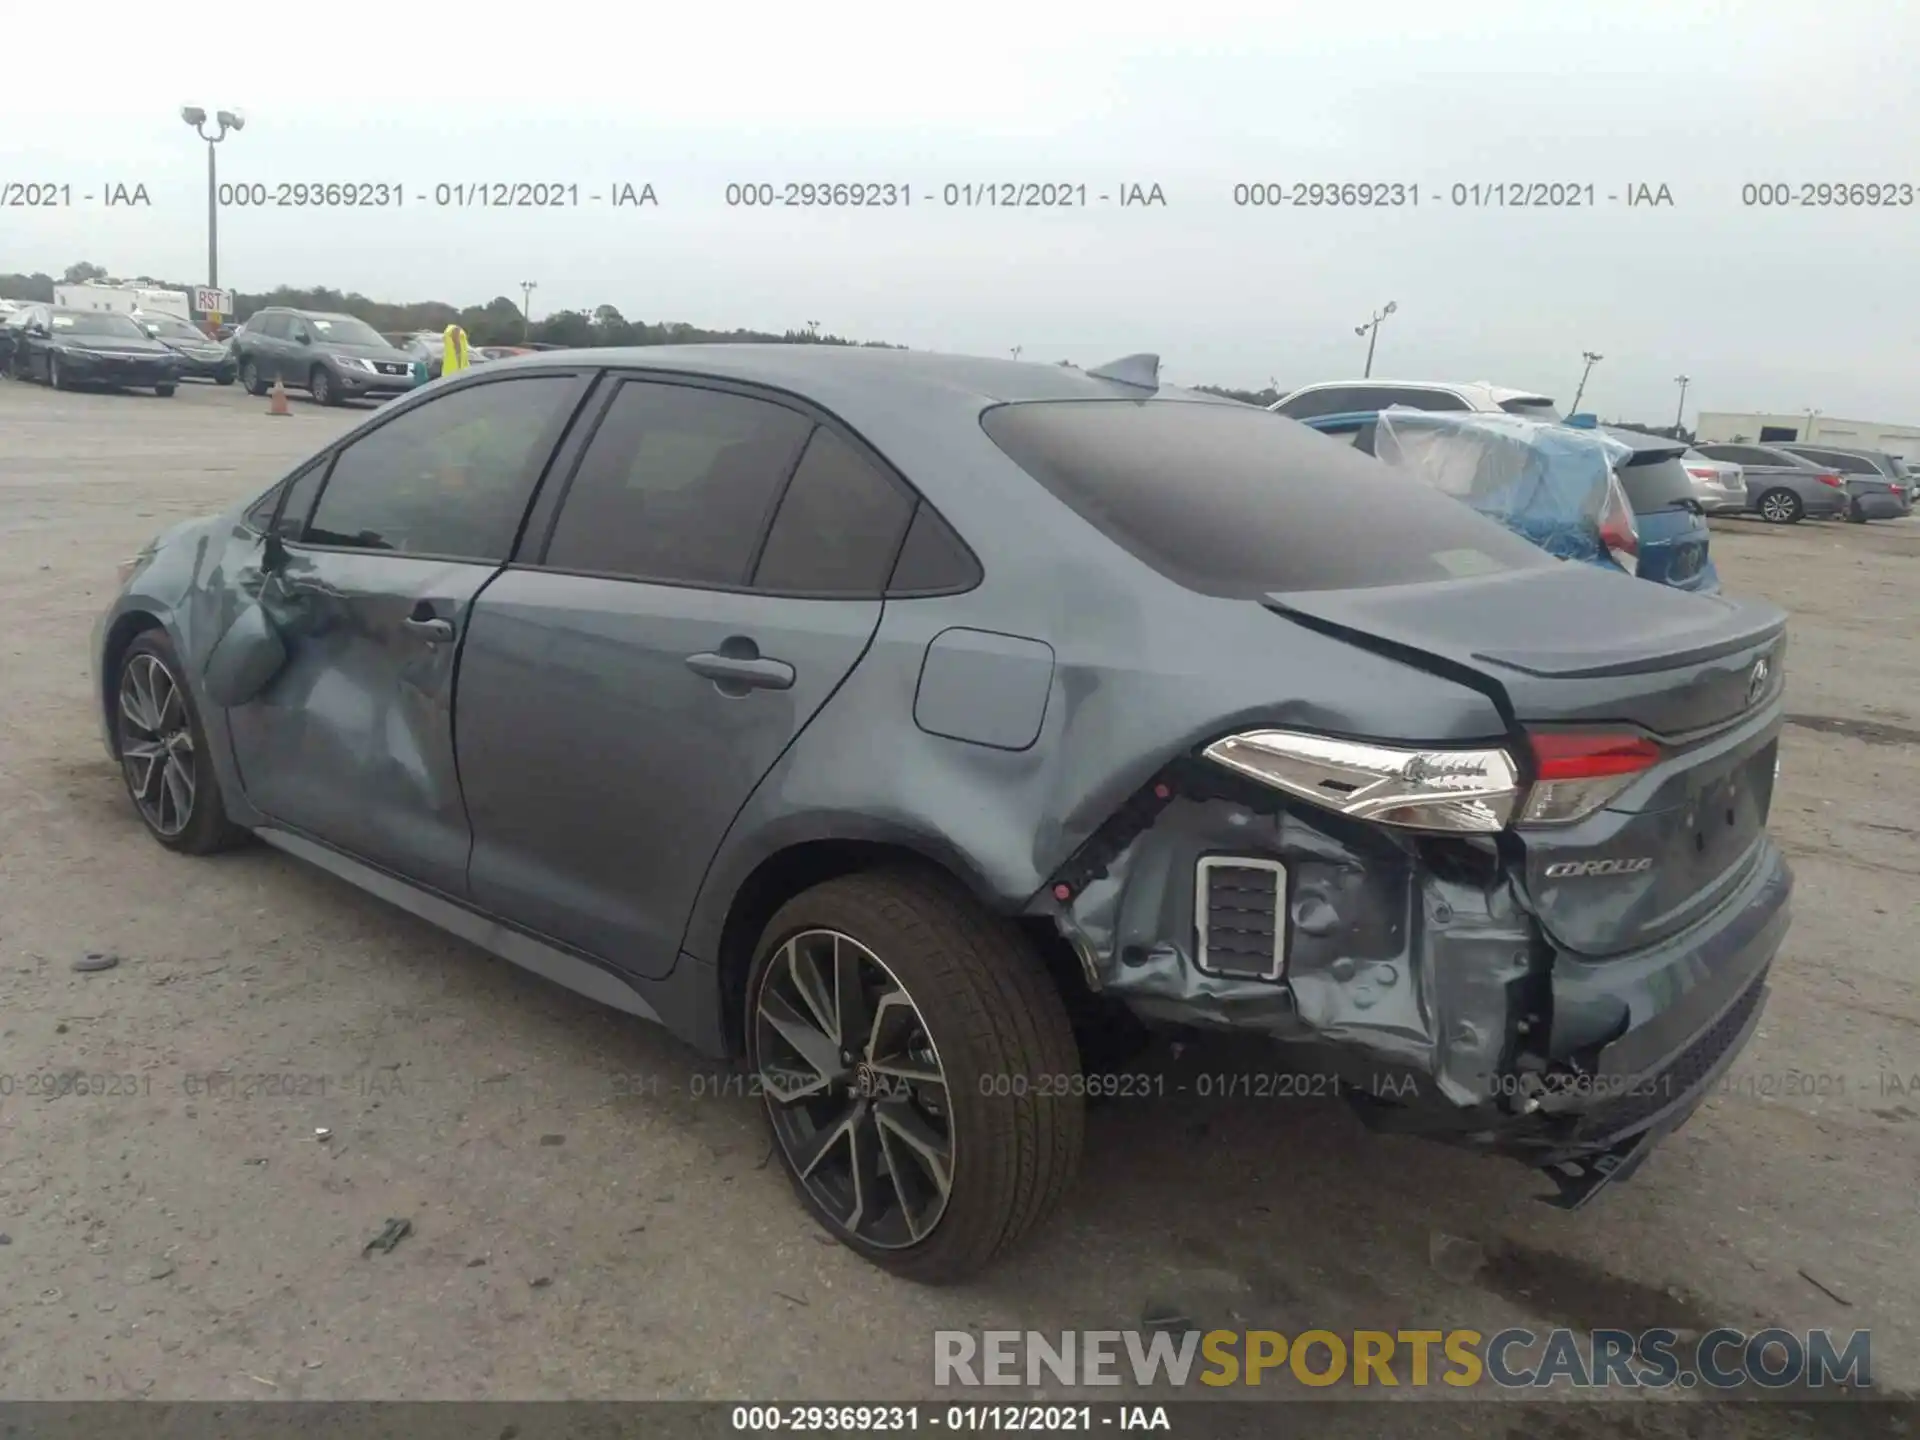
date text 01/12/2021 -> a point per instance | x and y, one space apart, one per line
442 195
886 1419
1461 195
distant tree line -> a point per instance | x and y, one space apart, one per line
498 322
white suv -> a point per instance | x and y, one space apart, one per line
1344 397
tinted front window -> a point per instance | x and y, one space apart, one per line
1227 501
274 327
677 485
172 327
449 477
839 526
345 330
291 522
97 322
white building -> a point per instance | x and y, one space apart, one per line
1730 427
125 299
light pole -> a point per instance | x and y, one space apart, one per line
1016 352
1681 410
1592 360
1811 416
527 287
1372 331
813 329
226 120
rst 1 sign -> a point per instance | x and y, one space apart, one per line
209 301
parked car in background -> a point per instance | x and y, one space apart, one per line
1346 397
1783 488
1665 538
770 715
201 358
1719 485
332 357
1877 486
71 349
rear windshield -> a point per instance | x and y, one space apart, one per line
1660 485
1229 500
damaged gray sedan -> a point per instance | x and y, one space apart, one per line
902 726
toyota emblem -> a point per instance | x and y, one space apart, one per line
1757 681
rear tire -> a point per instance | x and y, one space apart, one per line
56 377
1780 507
157 730
225 377
939 988
250 377
163 391
1855 515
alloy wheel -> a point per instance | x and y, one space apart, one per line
855 1089
156 744
322 387
1778 508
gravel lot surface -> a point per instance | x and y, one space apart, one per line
593 1209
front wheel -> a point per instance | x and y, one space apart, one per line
225 377
918 1071
1781 507
164 756
163 391
320 386
56 377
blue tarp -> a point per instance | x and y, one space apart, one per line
1550 484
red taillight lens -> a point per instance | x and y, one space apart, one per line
1701 474
1618 532
1577 772
1833 480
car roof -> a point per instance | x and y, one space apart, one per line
1860 450
856 380
1482 394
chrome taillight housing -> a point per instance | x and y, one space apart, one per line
1472 791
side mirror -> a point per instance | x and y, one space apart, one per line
34 327
304 338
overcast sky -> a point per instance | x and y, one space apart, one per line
1772 309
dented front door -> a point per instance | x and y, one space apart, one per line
352 742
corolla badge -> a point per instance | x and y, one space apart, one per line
1570 869
1757 680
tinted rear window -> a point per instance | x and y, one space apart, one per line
1229 500
1658 485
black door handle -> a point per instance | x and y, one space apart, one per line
741 673
432 628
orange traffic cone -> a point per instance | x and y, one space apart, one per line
277 401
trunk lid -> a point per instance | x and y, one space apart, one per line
1574 648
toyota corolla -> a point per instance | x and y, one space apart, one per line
894 724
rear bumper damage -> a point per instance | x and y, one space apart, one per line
1412 970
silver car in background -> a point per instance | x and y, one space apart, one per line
1783 488
1877 483
1719 485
